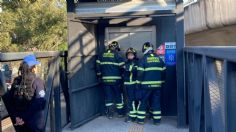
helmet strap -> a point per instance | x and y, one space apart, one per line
147 50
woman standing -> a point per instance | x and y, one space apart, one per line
27 98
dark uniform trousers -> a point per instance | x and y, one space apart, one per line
131 104
113 94
154 95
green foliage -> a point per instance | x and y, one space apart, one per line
27 25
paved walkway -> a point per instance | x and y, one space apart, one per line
102 124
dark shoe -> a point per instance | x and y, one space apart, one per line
156 122
120 115
109 113
140 123
129 119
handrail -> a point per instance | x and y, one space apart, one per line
219 52
14 56
210 76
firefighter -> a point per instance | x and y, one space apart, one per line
130 73
151 73
26 98
109 69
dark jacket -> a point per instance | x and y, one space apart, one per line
130 72
151 71
32 110
109 67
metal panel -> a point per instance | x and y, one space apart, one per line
231 100
181 99
217 103
85 95
131 37
216 92
131 8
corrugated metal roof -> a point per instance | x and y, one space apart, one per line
136 7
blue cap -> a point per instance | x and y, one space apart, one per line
31 60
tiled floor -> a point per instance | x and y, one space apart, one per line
102 124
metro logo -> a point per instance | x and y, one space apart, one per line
170 45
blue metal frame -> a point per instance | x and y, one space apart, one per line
210 80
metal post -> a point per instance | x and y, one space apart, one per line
66 86
225 78
1 113
52 111
181 108
57 99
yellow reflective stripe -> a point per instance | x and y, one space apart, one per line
131 77
156 112
112 63
133 106
164 68
109 104
141 117
130 67
153 69
132 112
109 81
99 73
151 82
120 104
140 69
157 85
156 117
141 112
98 61
109 63
129 83
138 82
111 77
119 107
122 63
133 115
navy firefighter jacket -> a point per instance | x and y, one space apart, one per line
109 67
151 71
130 72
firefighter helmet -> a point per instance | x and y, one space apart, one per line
114 46
131 50
146 46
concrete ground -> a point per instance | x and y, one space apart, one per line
102 124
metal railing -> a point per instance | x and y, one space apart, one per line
210 85
56 84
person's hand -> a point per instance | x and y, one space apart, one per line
19 122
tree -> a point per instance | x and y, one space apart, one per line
33 24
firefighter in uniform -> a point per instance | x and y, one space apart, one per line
130 74
109 69
151 73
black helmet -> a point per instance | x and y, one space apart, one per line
146 45
114 46
131 50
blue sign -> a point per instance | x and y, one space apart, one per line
170 56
